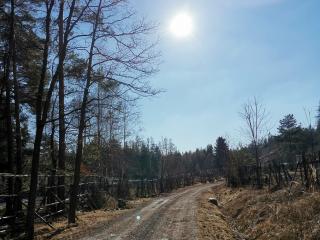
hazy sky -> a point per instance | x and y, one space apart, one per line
239 49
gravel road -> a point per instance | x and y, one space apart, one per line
170 217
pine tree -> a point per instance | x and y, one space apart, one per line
287 129
221 154
287 123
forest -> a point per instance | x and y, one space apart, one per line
72 75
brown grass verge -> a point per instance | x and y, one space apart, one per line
262 214
87 222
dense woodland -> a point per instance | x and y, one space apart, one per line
72 73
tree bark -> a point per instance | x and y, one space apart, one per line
40 122
258 166
78 160
9 202
8 113
62 129
52 182
42 109
18 183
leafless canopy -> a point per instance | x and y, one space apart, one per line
255 117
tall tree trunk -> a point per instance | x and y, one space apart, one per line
9 202
40 123
8 113
78 160
258 166
52 144
42 109
101 162
18 183
52 182
62 129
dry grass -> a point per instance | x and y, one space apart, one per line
87 222
261 214
212 224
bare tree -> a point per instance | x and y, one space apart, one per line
43 98
255 116
78 160
39 125
125 61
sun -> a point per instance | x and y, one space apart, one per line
181 26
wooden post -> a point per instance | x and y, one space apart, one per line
285 173
270 176
305 168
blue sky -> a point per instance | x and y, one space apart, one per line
239 49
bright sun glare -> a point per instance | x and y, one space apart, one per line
181 25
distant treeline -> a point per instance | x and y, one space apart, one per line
288 150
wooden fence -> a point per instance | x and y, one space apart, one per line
49 205
277 174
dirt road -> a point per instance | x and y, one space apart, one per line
170 217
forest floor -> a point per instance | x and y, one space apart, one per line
245 213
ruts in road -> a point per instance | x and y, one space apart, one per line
170 217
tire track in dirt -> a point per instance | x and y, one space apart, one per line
165 218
